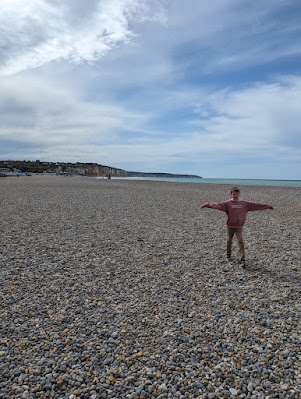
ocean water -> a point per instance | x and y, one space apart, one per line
233 182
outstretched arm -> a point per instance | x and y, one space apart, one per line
257 206
220 206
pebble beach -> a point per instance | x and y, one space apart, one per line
121 289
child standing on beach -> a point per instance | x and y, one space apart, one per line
237 212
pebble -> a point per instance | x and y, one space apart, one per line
233 391
120 289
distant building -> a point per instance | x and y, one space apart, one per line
5 170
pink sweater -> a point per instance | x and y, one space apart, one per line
237 210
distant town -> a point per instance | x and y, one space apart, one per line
15 168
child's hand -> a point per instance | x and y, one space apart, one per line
202 206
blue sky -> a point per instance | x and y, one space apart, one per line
209 87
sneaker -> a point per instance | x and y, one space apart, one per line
243 262
229 258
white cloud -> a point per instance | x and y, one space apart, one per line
39 31
260 122
36 32
35 114
262 119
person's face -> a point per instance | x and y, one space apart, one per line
235 195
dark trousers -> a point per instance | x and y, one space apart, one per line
230 235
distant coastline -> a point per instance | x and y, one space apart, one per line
163 175
79 168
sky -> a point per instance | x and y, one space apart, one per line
205 87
